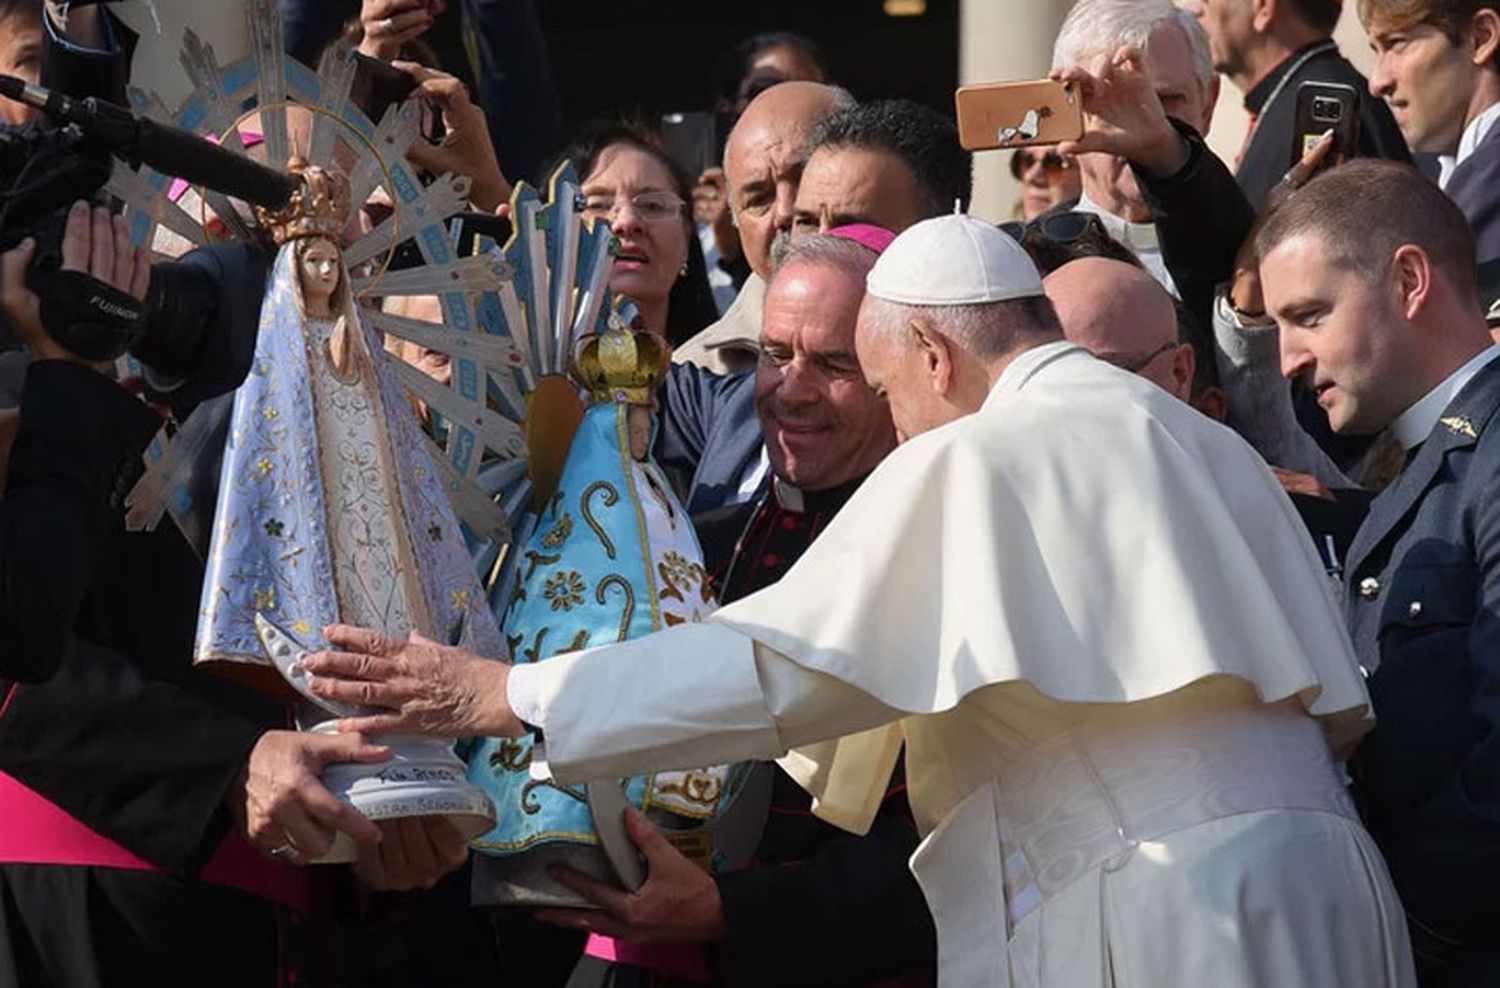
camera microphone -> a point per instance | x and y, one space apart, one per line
169 150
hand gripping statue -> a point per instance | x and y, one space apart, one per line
330 509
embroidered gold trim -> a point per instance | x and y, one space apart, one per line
616 580
611 497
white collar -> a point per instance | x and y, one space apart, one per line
1137 236
1025 364
1476 131
1473 135
1417 422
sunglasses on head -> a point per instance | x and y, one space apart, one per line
1060 228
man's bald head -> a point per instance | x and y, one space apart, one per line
763 160
1119 313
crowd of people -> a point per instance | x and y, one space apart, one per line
1110 590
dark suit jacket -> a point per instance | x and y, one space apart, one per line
1423 602
121 732
1269 153
1475 186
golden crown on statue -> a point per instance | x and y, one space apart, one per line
623 365
318 208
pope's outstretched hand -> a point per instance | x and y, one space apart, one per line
415 686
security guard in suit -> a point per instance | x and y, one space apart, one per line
1369 272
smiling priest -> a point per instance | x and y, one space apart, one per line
1088 612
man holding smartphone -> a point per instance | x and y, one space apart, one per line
1268 51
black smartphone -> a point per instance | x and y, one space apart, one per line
377 85
691 140
1321 107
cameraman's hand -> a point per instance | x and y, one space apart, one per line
466 148
93 242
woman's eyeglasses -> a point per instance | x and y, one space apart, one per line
649 207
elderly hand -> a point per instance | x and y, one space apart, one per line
281 804
678 903
389 24
466 148
413 853
426 688
1123 116
95 243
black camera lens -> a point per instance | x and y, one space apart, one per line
1326 110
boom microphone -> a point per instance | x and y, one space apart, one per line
169 150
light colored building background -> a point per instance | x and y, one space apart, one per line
998 40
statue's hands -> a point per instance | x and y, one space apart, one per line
1123 116
679 902
413 853
421 687
282 805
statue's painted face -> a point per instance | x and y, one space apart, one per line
319 266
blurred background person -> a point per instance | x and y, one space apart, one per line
1047 179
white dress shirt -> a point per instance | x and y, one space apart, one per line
1473 134
1141 238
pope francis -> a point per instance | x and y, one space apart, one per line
1089 614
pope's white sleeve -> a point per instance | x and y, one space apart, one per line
695 695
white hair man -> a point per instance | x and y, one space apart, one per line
1175 55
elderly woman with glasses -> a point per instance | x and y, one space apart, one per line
630 183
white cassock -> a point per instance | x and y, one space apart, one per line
1100 630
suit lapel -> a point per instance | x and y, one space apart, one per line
1458 427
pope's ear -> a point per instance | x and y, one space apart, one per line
935 351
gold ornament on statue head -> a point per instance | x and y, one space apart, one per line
623 365
318 208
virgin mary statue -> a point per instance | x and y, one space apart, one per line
330 508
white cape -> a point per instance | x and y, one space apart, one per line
1085 533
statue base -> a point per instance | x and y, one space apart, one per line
423 778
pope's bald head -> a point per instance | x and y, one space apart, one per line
763 160
1117 311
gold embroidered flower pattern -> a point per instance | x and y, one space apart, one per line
677 569
274 528
265 600
264 466
559 533
564 590
459 599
